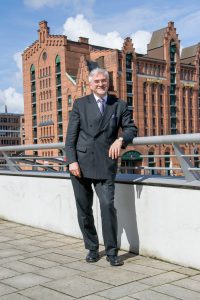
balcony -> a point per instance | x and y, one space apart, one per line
139 197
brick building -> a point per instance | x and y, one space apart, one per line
161 87
10 129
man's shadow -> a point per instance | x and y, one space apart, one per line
125 202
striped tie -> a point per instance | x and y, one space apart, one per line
101 104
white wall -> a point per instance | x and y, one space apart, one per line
161 222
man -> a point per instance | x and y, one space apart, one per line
92 149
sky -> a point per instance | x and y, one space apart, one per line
104 22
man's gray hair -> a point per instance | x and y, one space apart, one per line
97 71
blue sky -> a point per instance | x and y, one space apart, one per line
105 22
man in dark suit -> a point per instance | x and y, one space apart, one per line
92 149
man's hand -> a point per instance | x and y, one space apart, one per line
115 149
75 169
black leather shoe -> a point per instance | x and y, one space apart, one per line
92 256
114 260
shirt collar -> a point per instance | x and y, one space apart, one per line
97 98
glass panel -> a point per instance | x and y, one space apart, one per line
57 59
58 79
58 92
129 76
59 117
129 88
33 87
130 101
129 61
58 68
172 89
172 99
32 68
173 111
69 100
60 130
173 123
59 104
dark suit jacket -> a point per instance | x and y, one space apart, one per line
90 135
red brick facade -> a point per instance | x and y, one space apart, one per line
160 87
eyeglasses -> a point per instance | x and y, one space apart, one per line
97 81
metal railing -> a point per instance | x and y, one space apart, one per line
13 158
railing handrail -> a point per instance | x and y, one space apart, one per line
168 139
191 174
149 140
32 147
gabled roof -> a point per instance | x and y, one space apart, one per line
157 39
189 51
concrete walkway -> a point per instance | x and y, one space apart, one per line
38 264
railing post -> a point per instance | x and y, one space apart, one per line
185 164
10 163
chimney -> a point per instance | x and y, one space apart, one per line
6 109
43 31
83 40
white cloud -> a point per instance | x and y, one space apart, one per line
40 3
10 96
18 59
140 39
12 99
18 75
77 5
80 26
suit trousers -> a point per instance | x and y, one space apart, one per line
105 190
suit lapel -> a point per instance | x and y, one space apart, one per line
93 112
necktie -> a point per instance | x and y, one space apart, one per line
101 103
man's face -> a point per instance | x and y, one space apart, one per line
99 85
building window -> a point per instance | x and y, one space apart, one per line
129 60
129 88
151 162
58 67
130 101
69 100
44 55
111 85
128 76
32 71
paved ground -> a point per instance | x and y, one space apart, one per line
38 264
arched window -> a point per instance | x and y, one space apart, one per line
32 72
58 68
